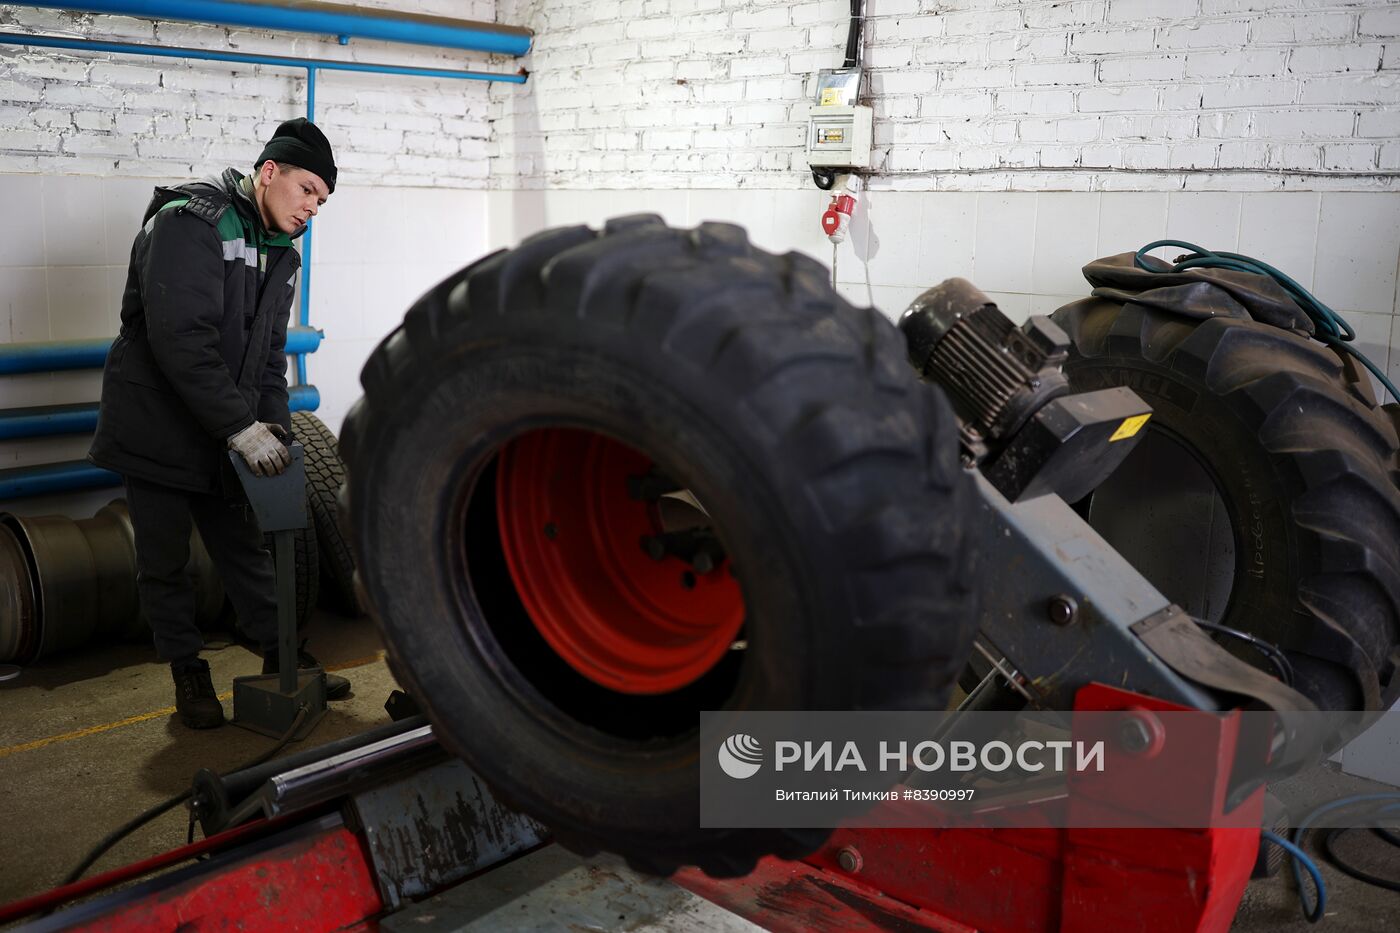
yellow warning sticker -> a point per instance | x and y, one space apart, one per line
1129 427
831 97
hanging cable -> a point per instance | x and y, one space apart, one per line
1331 328
1329 846
1329 843
1312 912
1268 649
854 34
136 823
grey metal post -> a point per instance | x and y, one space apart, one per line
283 542
269 703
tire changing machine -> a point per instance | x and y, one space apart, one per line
348 835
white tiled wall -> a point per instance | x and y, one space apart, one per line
61 273
1026 248
377 249
374 252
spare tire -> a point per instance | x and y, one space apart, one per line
324 475
511 461
307 564
1277 435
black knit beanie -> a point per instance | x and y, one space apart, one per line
299 142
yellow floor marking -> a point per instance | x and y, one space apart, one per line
358 662
154 714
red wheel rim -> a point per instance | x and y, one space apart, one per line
572 541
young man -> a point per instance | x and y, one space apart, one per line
198 369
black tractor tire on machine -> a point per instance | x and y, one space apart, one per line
1304 462
325 473
502 454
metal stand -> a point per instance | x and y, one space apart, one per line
269 703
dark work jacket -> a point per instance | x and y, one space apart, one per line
199 356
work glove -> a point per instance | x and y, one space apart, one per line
260 449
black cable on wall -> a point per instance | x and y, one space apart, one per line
853 36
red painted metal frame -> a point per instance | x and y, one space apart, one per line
55 897
1035 879
1025 880
319 881
796 897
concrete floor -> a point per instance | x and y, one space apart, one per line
1270 905
88 741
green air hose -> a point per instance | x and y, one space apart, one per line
1331 328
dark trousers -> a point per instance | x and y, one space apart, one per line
161 518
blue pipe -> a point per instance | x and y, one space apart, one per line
324 18
304 315
129 48
54 477
46 420
303 398
310 107
52 356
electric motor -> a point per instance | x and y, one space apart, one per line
1017 420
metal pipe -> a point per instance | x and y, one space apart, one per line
52 356
47 420
44 420
218 795
131 48
324 18
55 355
18 482
70 475
330 777
303 398
304 315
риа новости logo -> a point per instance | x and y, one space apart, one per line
740 756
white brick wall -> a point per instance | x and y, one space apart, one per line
968 94
80 112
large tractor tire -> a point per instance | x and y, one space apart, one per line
542 417
1264 497
324 475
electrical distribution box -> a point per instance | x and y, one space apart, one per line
839 129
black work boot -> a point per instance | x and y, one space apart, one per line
337 687
195 699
